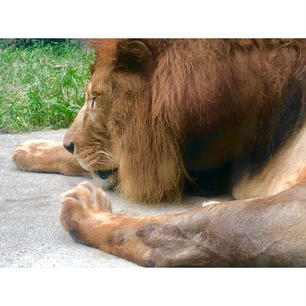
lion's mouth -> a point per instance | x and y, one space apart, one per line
105 174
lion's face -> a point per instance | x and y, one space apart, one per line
89 137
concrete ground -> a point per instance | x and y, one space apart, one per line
30 231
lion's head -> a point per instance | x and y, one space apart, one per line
112 136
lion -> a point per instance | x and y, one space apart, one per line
166 117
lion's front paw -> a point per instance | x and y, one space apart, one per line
33 155
80 207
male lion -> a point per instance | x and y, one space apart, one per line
206 116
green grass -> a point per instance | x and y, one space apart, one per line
42 86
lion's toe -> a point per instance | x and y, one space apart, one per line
97 199
19 157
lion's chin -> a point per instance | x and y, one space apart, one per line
109 183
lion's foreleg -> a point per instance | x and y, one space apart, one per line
46 156
257 232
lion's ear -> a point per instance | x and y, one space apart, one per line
134 55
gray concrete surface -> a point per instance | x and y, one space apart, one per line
30 231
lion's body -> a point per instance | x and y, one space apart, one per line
163 117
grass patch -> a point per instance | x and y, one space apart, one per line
42 86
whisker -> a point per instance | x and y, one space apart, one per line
105 153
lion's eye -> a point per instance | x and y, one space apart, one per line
93 98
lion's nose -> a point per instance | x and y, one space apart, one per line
69 147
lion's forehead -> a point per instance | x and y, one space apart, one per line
97 83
